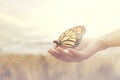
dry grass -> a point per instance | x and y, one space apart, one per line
46 67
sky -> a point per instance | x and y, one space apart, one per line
45 20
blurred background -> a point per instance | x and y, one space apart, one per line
30 26
38 21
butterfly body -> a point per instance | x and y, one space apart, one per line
71 38
58 43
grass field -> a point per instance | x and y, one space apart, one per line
46 67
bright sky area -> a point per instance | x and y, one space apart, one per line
45 20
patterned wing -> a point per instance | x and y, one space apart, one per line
71 37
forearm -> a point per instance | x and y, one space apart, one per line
112 39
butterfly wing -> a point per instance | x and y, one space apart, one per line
80 31
71 37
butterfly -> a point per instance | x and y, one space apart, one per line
71 38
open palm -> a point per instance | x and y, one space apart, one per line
87 48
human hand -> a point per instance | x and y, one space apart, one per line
87 48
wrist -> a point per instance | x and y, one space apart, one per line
102 44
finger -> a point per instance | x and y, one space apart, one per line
59 49
73 52
65 54
57 55
78 55
72 55
54 53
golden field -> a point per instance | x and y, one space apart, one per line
45 67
